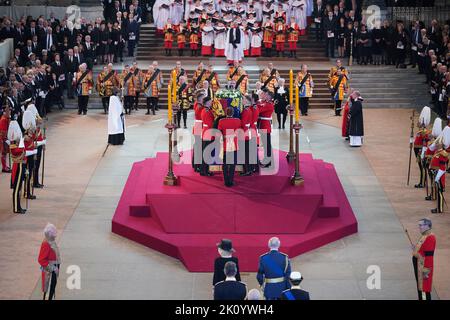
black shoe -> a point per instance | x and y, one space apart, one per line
21 211
418 186
79 112
428 198
148 112
31 197
6 170
84 113
38 186
435 211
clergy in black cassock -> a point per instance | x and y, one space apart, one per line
356 122
116 121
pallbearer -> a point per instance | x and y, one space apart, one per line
439 165
128 84
83 84
207 135
246 121
151 89
106 82
266 108
184 100
420 143
306 84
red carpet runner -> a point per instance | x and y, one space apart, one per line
187 221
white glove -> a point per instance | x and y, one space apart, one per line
40 143
423 152
8 142
439 175
29 153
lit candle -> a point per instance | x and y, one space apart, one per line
169 103
291 87
297 111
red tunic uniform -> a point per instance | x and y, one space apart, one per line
207 123
265 116
4 125
47 256
293 32
246 121
424 253
168 36
198 123
18 157
439 162
228 127
345 119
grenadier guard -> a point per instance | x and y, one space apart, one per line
438 163
420 142
293 36
246 121
295 292
429 152
213 79
233 72
254 134
423 260
169 32
184 100
151 89
280 37
200 75
242 82
138 75
338 86
106 82
197 131
266 109
50 262
273 271
4 148
207 134
128 84
19 163
83 84
305 83
268 35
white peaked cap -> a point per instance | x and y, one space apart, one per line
425 116
446 137
437 127
28 120
14 131
295 275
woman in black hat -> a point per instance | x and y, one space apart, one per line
225 248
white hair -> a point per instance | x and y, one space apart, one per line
50 231
254 294
274 243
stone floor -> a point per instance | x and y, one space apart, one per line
82 190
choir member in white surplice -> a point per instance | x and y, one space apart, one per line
299 12
177 12
220 37
188 8
116 121
207 39
234 47
161 13
256 41
247 36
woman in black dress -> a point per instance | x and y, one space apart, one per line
103 47
350 40
113 42
281 99
225 248
340 36
400 43
363 40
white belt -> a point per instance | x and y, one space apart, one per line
264 118
198 121
247 125
205 125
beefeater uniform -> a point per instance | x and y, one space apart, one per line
128 83
84 84
138 76
242 82
106 82
151 90
197 132
268 35
4 149
280 37
420 141
266 110
233 73
423 262
19 163
439 165
50 264
293 31
213 80
199 77
207 137
168 38
273 272
184 102
228 127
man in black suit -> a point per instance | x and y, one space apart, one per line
329 28
318 15
230 289
35 44
71 67
18 57
295 292
31 31
7 31
416 39
49 39
89 52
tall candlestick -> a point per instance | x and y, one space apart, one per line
174 81
291 87
297 111
169 103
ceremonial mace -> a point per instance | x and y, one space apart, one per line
411 141
43 158
170 179
291 155
297 179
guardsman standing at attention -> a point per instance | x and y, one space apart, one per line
207 135
246 121
106 82
266 108
184 100
430 150
439 165
29 125
4 149
83 84
420 142
39 143
273 271
306 84
295 293
19 163
128 84
338 86
423 260
138 77
293 32
197 131
151 89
